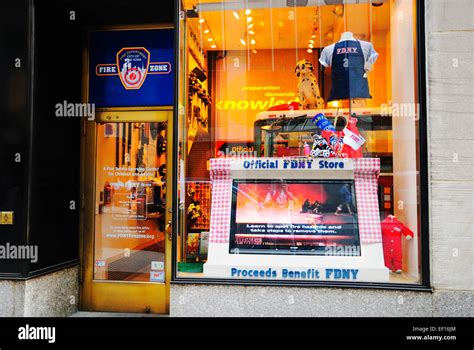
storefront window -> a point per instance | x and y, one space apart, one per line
298 141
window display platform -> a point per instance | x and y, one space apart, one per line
367 267
260 236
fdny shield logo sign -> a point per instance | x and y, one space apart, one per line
132 66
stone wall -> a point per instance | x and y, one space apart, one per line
450 99
52 295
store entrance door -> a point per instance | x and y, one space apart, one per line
126 237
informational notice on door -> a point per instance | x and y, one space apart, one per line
130 202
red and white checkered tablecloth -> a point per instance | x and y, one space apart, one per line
221 182
366 172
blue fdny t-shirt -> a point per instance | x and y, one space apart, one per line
348 69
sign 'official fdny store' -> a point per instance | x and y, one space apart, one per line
295 164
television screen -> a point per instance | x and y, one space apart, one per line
307 217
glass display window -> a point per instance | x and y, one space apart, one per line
299 141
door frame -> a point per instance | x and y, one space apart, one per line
87 189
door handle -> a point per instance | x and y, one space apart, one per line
169 230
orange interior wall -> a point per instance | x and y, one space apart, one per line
249 83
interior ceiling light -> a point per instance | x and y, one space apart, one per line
310 46
210 39
251 32
206 31
311 41
213 46
254 51
202 20
313 36
249 19
248 12
236 15
253 42
309 51
250 25
242 41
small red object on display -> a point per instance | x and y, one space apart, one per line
392 231
336 141
293 106
351 153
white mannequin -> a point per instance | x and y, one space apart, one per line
347 36
369 52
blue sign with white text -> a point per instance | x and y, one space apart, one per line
131 68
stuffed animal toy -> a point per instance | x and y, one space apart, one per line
308 89
321 148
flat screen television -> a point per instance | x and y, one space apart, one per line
294 217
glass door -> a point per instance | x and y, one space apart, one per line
127 245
